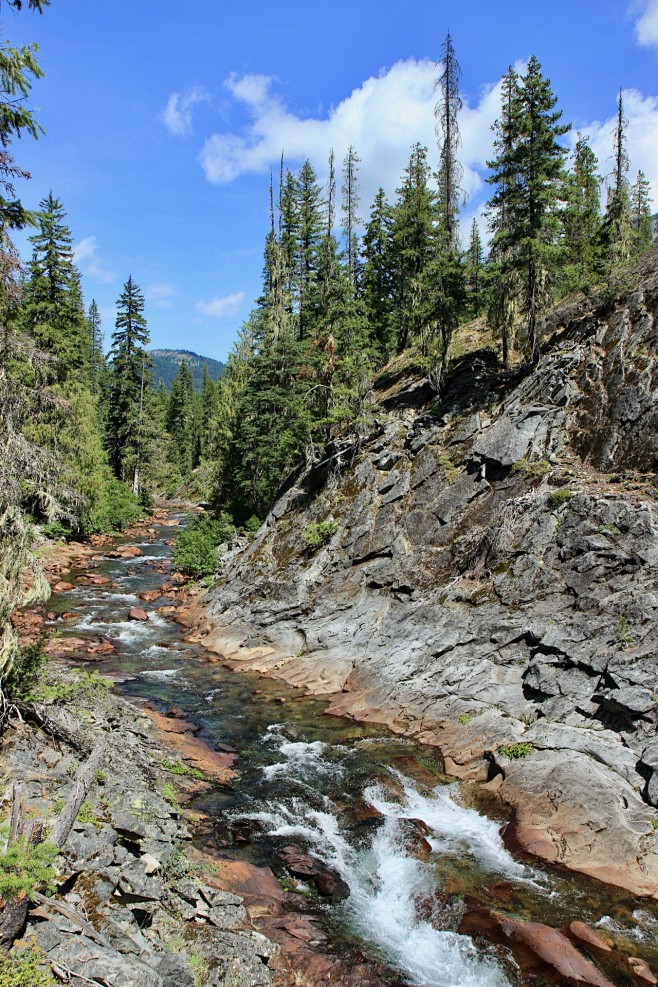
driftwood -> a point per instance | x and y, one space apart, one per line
38 713
83 782
70 913
14 914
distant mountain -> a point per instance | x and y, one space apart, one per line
167 362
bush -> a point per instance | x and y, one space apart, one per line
25 674
195 545
25 868
559 497
515 751
523 467
315 536
22 968
116 509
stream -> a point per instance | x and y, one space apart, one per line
344 792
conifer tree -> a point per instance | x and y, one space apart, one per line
582 215
474 265
350 208
414 250
309 237
616 233
130 375
52 311
450 173
377 281
641 220
181 419
529 174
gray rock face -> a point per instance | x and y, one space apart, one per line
483 561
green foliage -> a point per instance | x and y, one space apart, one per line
25 868
116 508
87 814
252 524
623 633
654 823
26 673
83 687
195 545
559 497
515 751
318 534
23 967
464 718
170 795
523 467
178 768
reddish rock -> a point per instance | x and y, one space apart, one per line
177 578
136 613
642 969
97 580
257 885
64 645
102 648
532 941
62 586
28 624
580 930
70 615
414 838
150 595
184 617
130 552
214 765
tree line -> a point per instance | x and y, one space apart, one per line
340 298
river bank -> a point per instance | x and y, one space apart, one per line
322 802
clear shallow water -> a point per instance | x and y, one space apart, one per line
345 792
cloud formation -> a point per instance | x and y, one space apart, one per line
646 27
161 294
220 308
383 118
86 258
177 114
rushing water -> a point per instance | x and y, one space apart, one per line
346 792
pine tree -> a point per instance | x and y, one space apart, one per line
309 239
616 232
474 265
377 281
582 215
53 313
530 175
414 250
641 220
130 367
450 173
350 208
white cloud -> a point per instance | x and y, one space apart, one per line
177 114
646 27
221 308
642 138
382 118
161 294
86 258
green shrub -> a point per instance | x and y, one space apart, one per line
56 531
195 545
26 673
464 718
117 508
315 536
523 467
515 751
623 632
25 868
178 768
559 497
252 525
22 968
84 686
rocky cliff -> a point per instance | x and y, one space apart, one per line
491 585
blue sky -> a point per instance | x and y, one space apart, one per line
163 119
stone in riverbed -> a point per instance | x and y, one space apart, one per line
136 613
150 595
62 586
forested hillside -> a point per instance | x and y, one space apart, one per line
166 364
88 437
